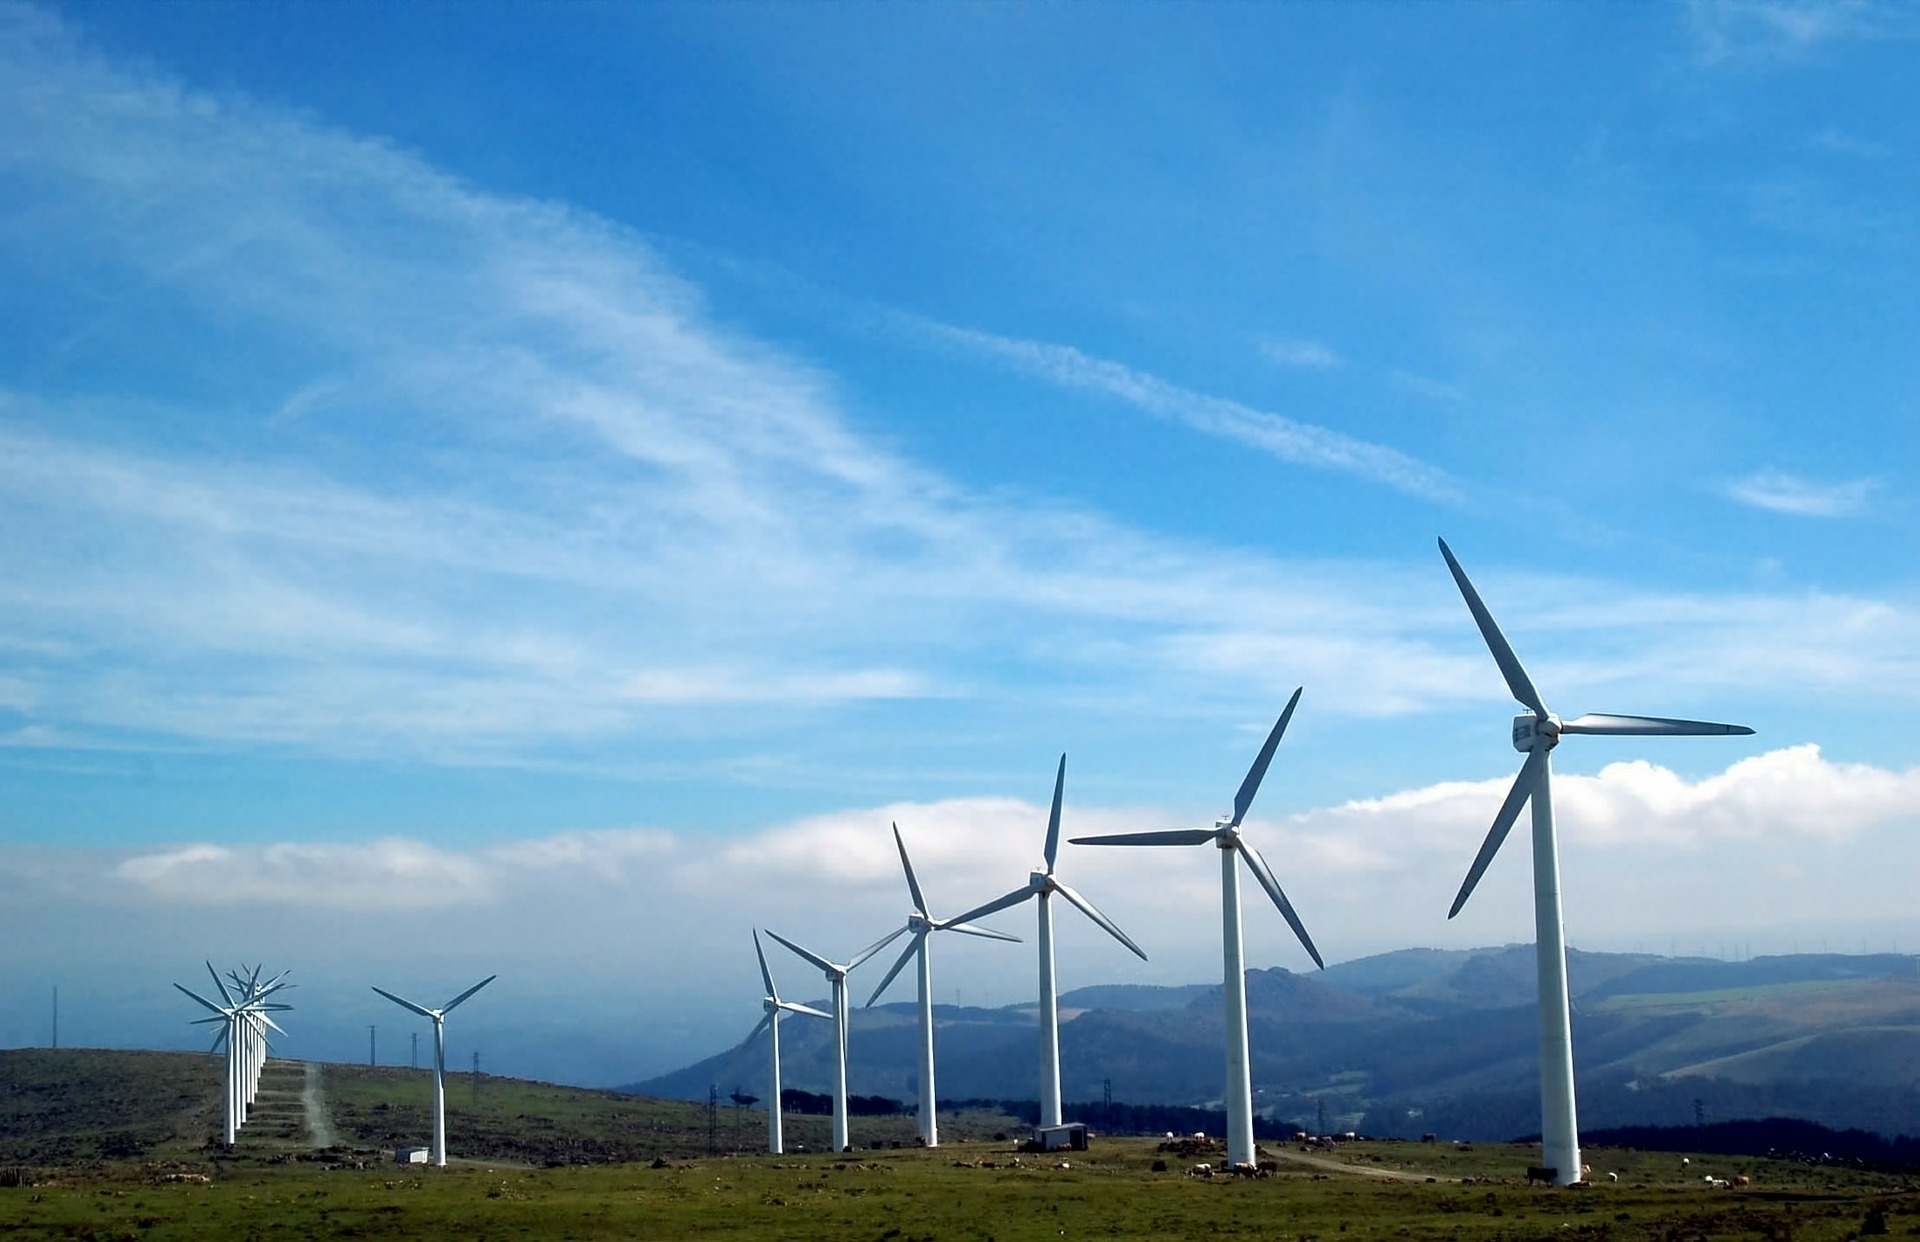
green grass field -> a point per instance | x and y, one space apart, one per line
554 1162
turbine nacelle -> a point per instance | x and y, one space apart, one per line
1040 881
1531 732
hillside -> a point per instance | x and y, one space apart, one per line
1404 1042
82 1106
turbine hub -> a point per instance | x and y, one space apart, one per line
918 922
1039 880
1531 733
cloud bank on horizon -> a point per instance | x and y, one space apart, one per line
383 541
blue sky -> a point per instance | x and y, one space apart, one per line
469 470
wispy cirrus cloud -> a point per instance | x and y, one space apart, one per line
1784 30
497 480
1301 352
1780 492
1284 438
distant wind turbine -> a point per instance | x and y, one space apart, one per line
438 1017
770 1022
1535 734
837 976
922 925
1041 886
1226 835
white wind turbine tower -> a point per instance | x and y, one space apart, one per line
770 1022
1226 835
1042 885
922 925
254 1023
1535 734
837 976
439 1019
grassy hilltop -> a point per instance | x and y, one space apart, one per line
540 1161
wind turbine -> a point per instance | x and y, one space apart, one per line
1535 734
770 1022
439 1019
1041 886
837 976
922 925
1225 834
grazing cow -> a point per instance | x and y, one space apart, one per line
1613 1177
1741 1180
1200 1170
1537 1174
1685 1161
1718 1183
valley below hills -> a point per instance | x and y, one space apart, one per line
1424 1041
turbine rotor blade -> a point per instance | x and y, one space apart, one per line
1258 772
998 904
448 1007
919 945
913 885
422 1010
1650 726
876 946
1106 924
968 929
1053 817
764 972
1264 874
1523 786
1517 680
806 954
224 994
270 1022
1172 836
809 1010
766 1020
203 1000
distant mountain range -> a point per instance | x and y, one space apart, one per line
1427 1040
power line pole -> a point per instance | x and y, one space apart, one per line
476 1079
413 1058
370 1045
713 1119
56 1016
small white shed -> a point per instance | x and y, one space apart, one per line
410 1155
1072 1136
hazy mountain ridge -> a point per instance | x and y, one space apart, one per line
1407 1040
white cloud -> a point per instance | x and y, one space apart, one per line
1349 856
1785 493
1294 351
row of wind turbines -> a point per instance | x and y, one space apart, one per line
1535 734
245 1019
